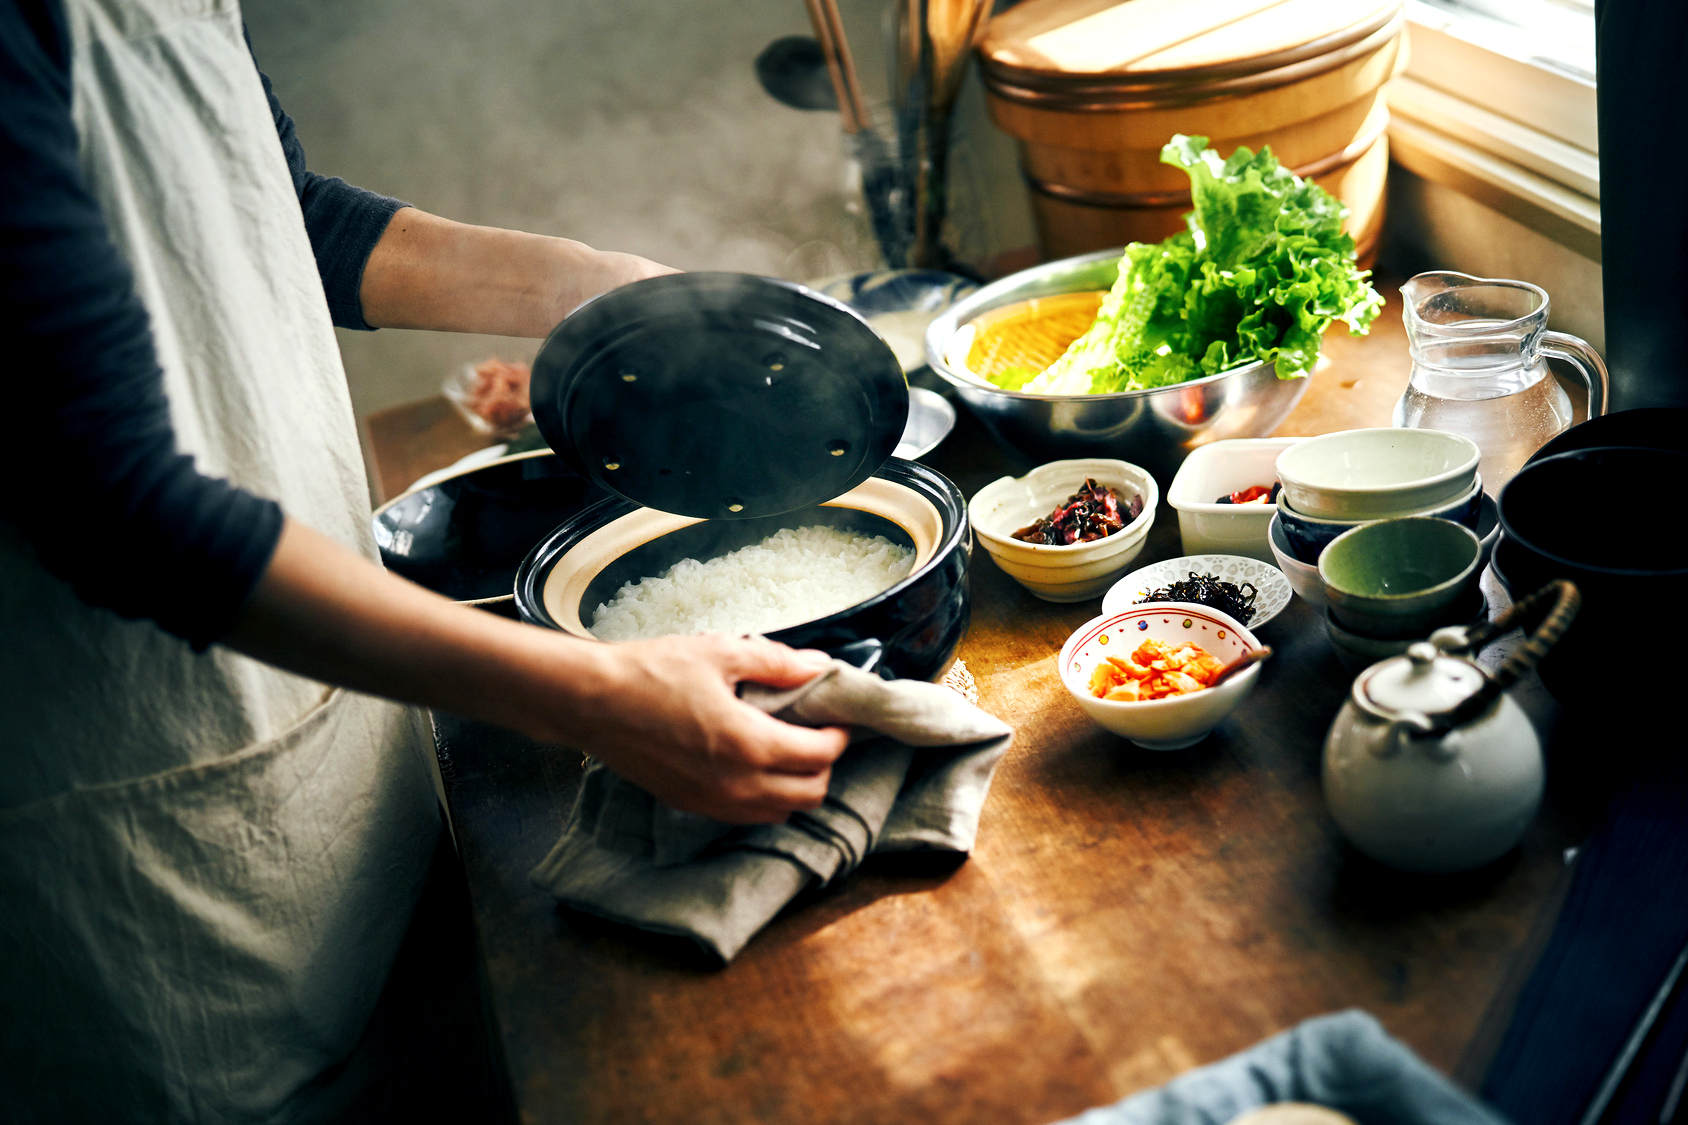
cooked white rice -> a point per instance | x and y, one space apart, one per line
794 575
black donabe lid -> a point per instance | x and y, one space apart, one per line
719 395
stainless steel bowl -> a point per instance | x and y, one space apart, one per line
1154 428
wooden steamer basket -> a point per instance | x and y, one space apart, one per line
1092 90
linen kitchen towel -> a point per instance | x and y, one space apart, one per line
1344 1061
914 779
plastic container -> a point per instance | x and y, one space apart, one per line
1215 470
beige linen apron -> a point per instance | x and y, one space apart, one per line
206 864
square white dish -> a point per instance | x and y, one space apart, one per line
1213 470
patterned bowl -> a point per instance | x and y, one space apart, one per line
1272 589
1159 724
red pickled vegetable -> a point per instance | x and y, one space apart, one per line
1253 494
1094 511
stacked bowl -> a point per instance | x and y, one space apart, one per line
1340 481
1388 529
1395 581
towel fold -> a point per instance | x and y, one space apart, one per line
915 778
1344 1061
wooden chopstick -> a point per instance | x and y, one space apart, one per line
1619 1070
1673 1096
835 48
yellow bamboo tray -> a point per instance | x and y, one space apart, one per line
1030 334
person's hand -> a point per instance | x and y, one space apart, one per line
616 269
588 273
662 713
666 717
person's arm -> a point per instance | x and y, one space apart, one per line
210 562
661 713
385 264
429 272
83 384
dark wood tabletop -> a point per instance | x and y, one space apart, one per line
1126 914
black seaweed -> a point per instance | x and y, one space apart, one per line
1215 593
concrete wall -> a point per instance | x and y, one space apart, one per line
633 125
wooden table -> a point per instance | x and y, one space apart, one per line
1126 914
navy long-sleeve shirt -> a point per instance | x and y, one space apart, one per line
97 463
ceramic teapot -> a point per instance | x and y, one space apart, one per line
1430 765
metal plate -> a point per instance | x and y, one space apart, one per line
930 419
723 396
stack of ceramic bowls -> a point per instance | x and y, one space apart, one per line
1593 515
1395 581
1337 482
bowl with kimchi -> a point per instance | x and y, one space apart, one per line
1145 673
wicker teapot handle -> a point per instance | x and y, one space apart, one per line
1557 603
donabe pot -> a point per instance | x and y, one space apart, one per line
910 631
465 535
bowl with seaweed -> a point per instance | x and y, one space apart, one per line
1247 589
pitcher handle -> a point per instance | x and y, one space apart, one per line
1576 352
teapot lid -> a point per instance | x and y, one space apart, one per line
1421 683
719 395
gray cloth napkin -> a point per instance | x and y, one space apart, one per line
1345 1062
914 779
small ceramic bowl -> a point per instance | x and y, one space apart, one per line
1399 578
930 420
1308 536
1219 469
1377 473
1070 572
1303 577
1271 589
464 533
1159 724
1356 651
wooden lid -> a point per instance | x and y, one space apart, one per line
1135 48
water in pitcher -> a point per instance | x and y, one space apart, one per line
1479 349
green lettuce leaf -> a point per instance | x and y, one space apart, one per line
1261 271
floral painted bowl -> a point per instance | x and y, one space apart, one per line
1272 589
1159 724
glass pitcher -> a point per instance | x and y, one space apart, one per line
1478 349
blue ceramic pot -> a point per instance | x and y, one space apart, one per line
910 631
465 536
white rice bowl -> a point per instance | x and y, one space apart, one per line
794 575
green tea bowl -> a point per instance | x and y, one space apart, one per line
1400 578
